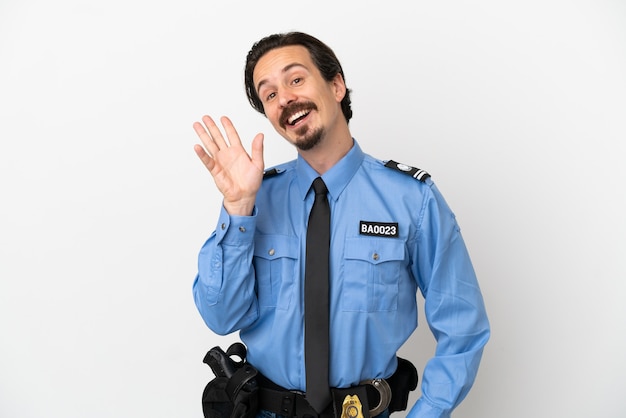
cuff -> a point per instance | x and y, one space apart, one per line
423 409
235 230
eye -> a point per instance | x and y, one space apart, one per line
297 80
270 96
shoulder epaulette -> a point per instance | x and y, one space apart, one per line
414 172
271 172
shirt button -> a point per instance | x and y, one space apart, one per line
223 226
271 252
375 256
242 229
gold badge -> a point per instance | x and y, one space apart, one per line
352 407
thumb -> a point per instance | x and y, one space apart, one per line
257 151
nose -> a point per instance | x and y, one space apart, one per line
285 96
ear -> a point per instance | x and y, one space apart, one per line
339 87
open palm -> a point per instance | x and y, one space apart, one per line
237 174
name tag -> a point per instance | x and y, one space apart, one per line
379 229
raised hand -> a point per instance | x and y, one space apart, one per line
237 175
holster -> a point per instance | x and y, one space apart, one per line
403 381
232 394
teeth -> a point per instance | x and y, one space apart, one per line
296 116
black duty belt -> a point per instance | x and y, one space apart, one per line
374 395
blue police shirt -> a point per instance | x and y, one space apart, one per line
391 235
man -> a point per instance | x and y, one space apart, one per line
390 235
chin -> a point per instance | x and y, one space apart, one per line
309 140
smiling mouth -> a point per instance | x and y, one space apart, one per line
296 113
296 117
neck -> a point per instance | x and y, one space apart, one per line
332 148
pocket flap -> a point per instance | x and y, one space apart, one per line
271 247
374 250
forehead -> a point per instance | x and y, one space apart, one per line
277 61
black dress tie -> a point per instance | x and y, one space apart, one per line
316 300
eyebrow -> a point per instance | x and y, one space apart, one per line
285 69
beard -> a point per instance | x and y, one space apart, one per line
307 140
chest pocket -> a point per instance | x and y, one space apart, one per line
371 274
275 264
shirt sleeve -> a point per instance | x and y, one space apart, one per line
454 310
224 288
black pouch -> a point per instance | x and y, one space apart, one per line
403 381
233 391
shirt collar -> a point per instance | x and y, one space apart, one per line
336 179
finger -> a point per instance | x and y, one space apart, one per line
206 139
257 151
216 134
231 132
204 157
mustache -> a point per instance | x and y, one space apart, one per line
293 108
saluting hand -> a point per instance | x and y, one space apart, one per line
237 175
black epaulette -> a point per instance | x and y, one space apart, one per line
271 172
414 172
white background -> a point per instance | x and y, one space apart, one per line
516 108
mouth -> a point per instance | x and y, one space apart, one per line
297 117
296 114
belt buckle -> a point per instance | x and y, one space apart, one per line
384 390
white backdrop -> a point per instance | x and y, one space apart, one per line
517 109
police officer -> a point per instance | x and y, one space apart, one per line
392 234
